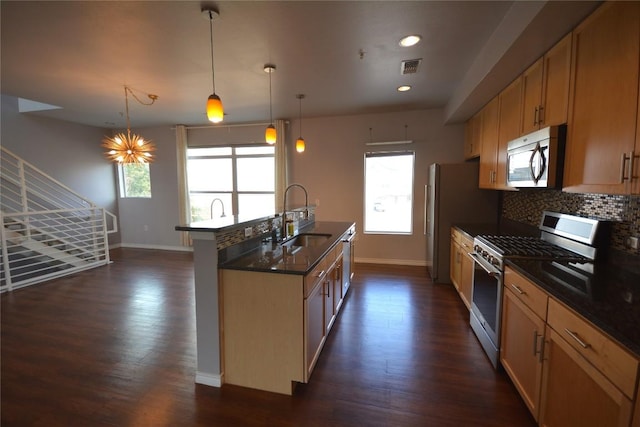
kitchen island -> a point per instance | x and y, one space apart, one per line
243 245
279 302
211 239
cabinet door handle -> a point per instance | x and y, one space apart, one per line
623 160
320 274
575 336
632 158
518 290
536 351
535 117
540 115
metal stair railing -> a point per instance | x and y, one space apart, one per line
48 230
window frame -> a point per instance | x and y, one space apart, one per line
371 154
234 156
122 179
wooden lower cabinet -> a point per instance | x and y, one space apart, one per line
455 267
522 338
576 394
461 265
274 325
315 329
636 414
568 372
466 276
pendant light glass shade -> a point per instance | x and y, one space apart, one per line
270 134
215 112
300 141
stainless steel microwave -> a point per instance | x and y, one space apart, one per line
537 159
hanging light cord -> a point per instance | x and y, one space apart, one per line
213 78
128 90
300 102
270 103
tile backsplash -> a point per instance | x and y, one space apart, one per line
526 206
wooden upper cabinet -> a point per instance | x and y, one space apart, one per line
531 97
501 121
603 101
509 127
545 96
489 145
473 137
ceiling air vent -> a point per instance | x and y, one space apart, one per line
410 66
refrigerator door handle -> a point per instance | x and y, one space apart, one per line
427 187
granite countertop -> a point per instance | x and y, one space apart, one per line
225 223
277 258
609 297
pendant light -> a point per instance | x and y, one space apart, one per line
130 148
300 141
215 112
270 134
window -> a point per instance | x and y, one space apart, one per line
242 177
135 180
388 192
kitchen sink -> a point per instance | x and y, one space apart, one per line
307 239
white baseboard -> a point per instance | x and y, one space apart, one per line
412 262
157 247
209 379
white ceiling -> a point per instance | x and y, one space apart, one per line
78 55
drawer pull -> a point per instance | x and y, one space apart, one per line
518 290
575 336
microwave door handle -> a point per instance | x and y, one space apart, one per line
541 164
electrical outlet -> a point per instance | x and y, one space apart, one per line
146 227
248 232
632 242
317 202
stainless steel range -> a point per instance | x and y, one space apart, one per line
563 238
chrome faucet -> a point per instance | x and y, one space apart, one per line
284 207
221 204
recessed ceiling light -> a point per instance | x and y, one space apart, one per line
410 40
404 88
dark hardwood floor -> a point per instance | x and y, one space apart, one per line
115 346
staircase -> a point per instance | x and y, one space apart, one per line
48 230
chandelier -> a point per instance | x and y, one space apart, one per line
129 148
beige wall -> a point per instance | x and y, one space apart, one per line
332 170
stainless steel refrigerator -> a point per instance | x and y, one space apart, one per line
453 197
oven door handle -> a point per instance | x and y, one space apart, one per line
492 273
